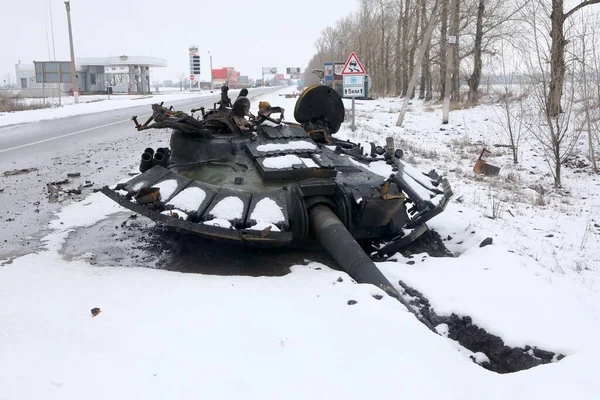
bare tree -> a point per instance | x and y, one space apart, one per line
450 55
455 89
425 88
180 76
443 49
557 52
552 133
475 78
424 46
398 54
584 36
513 115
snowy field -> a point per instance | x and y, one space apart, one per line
90 104
170 335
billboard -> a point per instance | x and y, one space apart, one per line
337 71
292 70
194 60
328 70
52 71
269 70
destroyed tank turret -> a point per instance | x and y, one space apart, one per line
259 180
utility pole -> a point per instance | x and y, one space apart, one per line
212 81
74 84
54 50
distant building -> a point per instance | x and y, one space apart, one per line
123 74
227 75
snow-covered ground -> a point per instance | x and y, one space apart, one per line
90 104
165 334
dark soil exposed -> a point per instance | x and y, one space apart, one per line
431 243
503 359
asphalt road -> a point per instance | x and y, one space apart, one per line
101 147
42 137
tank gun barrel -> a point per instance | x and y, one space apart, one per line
339 243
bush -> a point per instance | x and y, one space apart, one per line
8 104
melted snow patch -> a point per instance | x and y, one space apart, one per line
229 208
281 162
189 199
294 145
166 188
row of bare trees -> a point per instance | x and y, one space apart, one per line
551 48
387 35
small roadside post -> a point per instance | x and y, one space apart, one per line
354 82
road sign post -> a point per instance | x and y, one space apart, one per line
52 72
354 83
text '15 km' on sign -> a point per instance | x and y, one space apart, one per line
352 91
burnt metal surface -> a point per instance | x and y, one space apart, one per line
234 158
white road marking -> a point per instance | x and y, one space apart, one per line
63 136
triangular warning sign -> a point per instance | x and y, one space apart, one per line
353 66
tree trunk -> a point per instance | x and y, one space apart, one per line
382 73
475 78
596 67
388 75
428 80
587 107
557 167
425 58
455 93
413 49
557 59
406 68
398 57
450 47
443 44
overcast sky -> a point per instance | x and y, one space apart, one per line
240 33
